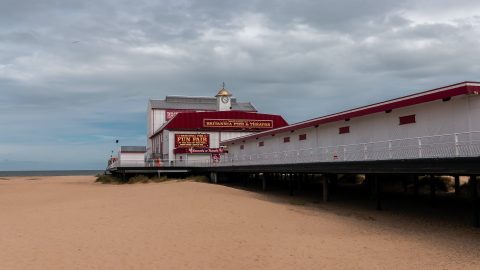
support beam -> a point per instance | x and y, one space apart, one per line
378 192
290 184
476 206
370 186
416 185
333 183
214 177
264 182
299 180
405 183
457 185
325 187
433 189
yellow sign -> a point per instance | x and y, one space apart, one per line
192 140
238 123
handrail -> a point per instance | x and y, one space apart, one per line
415 147
462 144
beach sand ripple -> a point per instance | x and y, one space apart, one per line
73 223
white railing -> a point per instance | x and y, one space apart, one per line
465 144
161 163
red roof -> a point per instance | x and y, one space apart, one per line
458 89
196 121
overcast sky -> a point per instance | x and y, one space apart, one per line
76 75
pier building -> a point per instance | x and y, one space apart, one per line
185 129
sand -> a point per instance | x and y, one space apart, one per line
73 223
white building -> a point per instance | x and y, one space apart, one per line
442 122
131 155
161 111
189 129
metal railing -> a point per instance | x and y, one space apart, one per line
466 144
161 163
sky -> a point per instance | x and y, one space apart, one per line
76 75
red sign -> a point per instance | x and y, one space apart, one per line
169 114
238 123
198 151
192 140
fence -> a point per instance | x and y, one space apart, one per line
466 144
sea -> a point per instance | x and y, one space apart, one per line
51 173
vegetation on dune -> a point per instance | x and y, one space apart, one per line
138 179
159 179
198 178
107 179
110 179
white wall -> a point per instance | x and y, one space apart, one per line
155 119
199 158
131 157
460 114
158 119
227 135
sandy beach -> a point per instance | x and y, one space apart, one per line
73 223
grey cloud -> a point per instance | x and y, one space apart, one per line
80 72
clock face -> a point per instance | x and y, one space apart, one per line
225 99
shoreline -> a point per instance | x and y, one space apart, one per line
50 173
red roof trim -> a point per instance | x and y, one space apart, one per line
458 89
194 121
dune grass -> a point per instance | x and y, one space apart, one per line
110 179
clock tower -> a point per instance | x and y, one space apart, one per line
224 99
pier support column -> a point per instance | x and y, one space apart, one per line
299 182
264 182
245 180
291 185
325 187
405 183
124 178
415 185
457 185
333 183
213 177
432 189
476 206
369 186
378 192
299 179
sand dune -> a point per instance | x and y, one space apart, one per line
73 223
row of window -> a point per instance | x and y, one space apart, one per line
403 120
301 137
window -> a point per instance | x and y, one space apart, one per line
286 139
344 130
302 137
407 119
261 144
242 147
